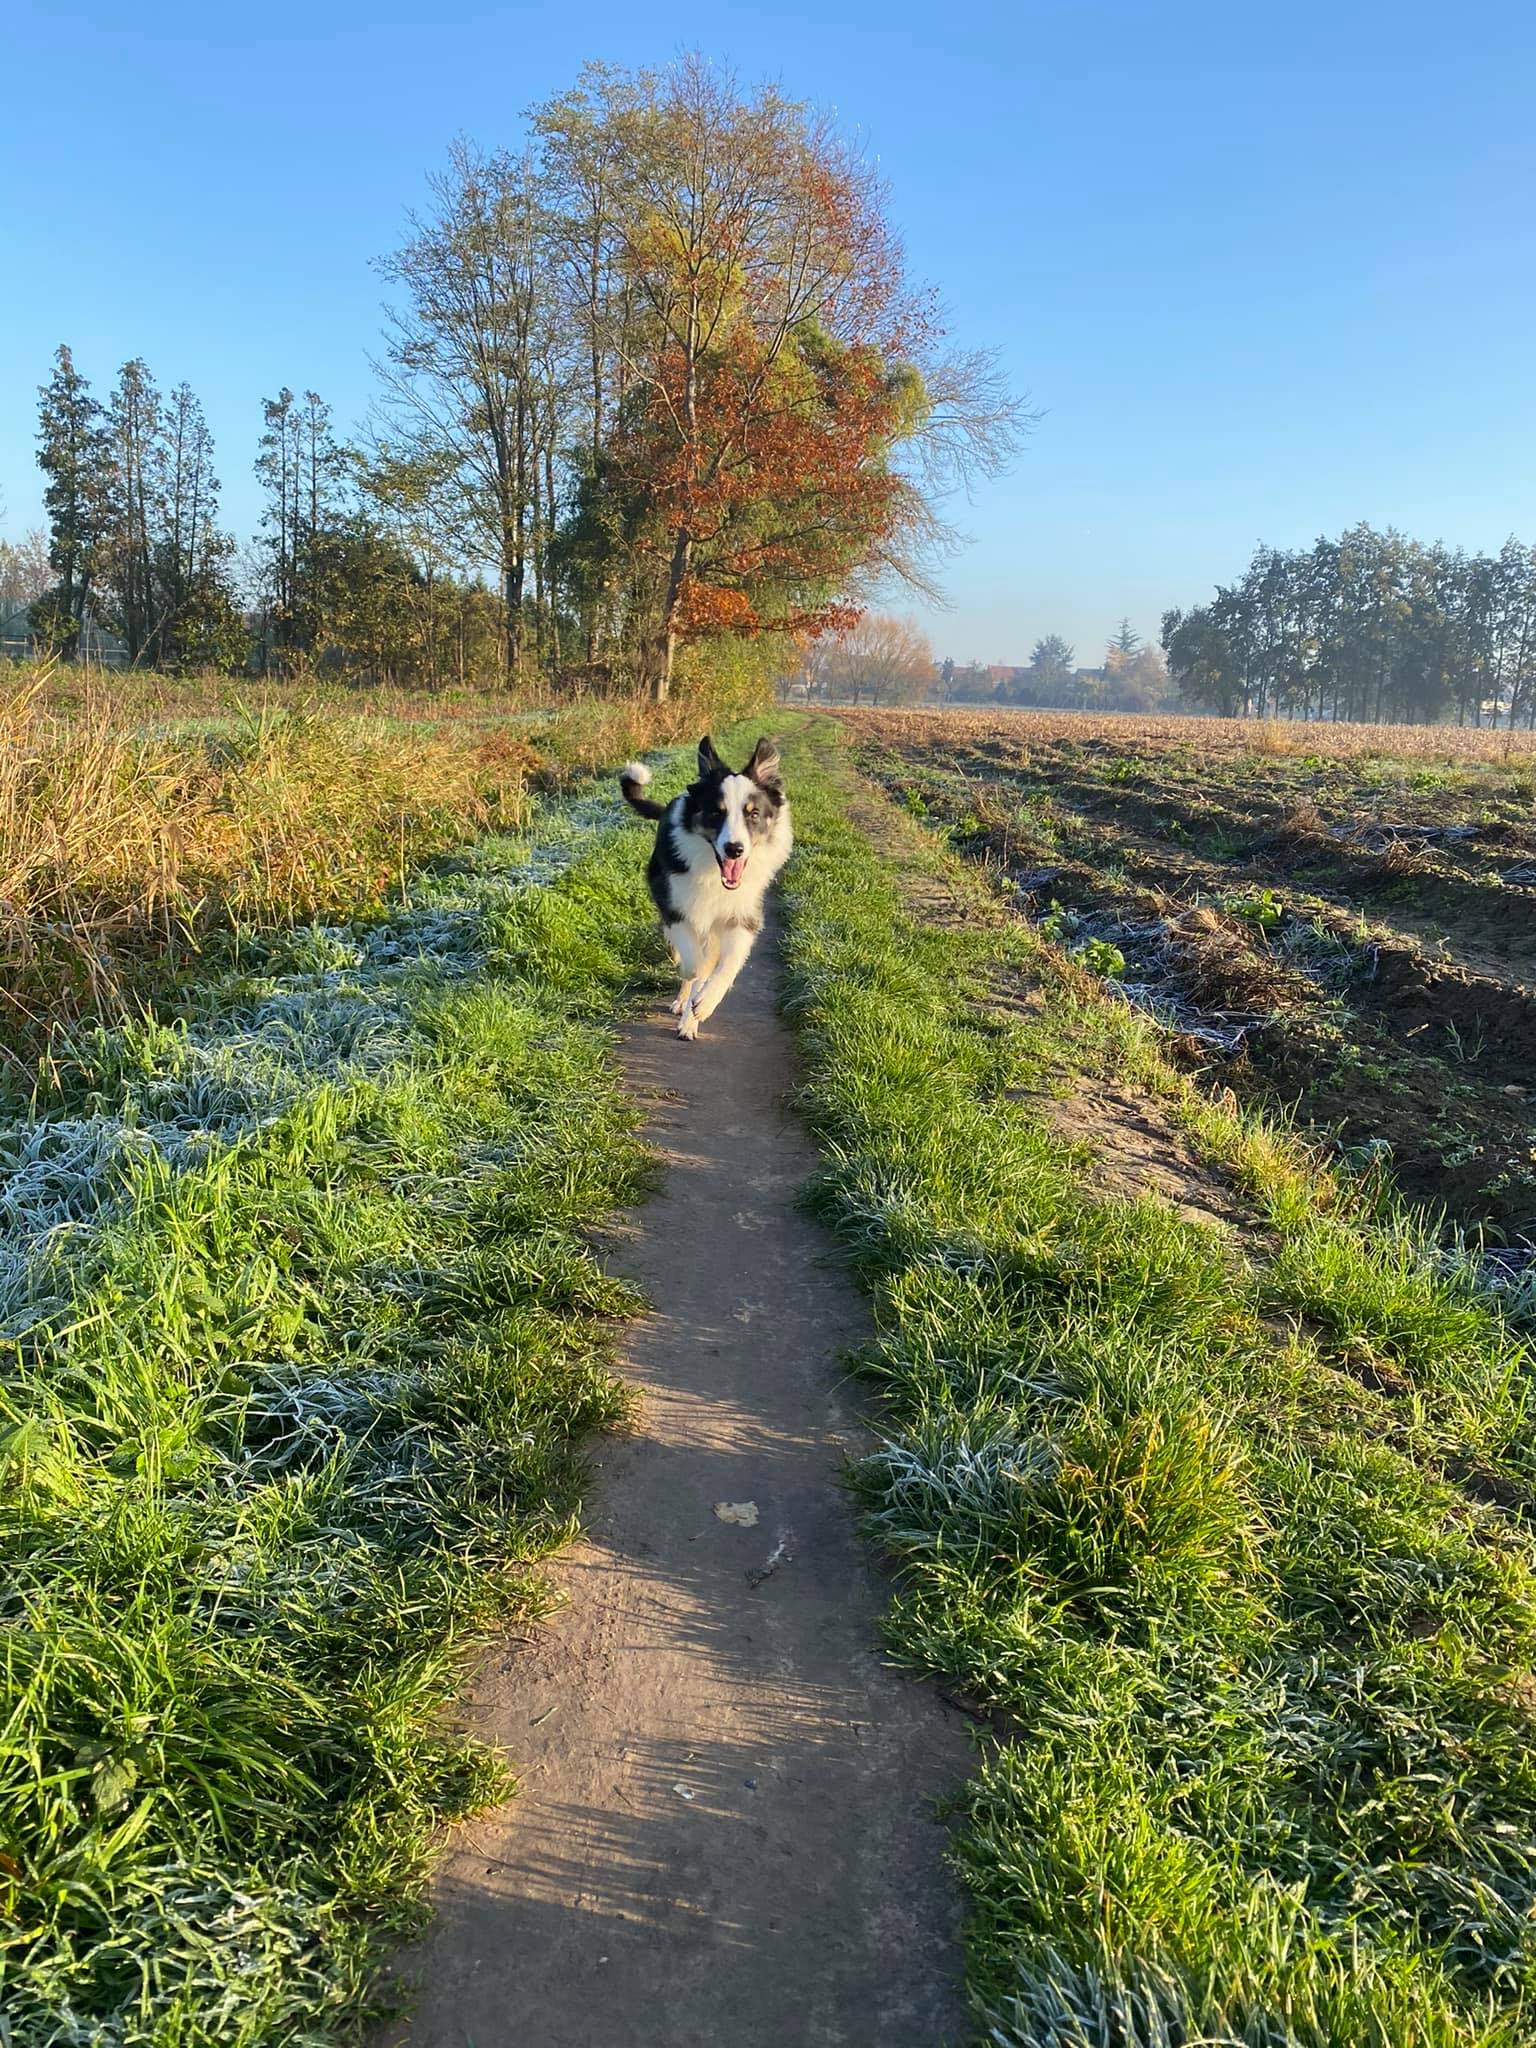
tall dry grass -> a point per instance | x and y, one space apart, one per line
139 814
121 849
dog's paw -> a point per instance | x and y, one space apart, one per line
679 1004
689 1028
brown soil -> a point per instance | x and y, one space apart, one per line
726 1830
1434 1047
1454 898
1137 1151
1233 739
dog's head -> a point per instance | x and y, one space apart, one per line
734 812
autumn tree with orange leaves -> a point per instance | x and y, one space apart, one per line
739 413
770 373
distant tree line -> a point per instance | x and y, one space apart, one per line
887 660
135 545
1133 677
133 510
1371 627
659 375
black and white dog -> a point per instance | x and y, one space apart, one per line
718 847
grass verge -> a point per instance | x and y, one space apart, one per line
299 1338
1183 1512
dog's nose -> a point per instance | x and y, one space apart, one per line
734 849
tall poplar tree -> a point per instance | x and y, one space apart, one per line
138 508
75 455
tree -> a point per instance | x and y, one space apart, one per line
197 622
278 472
1371 626
881 659
767 363
194 562
74 454
668 365
409 502
301 467
473 359
973 684
361 588
1052 667
1201 660
583 165
1135 678
1140 684
25 571
137 501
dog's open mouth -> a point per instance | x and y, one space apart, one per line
732 870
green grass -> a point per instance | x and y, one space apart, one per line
1181 1509
299 1340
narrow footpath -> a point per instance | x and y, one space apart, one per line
726 1829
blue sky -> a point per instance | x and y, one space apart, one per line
1265 269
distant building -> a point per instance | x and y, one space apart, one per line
97 642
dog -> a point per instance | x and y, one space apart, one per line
718 847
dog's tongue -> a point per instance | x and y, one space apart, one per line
731 871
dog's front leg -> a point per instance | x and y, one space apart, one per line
734 948
695 958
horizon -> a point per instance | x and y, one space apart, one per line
1301 266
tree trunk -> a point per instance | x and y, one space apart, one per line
515 625
677 571
520 531
540 652
549 535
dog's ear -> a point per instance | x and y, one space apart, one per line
710 762
764 765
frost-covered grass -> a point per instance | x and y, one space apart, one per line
1207 1522
299 1339
122 850
146 820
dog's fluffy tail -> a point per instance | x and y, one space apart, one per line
634 777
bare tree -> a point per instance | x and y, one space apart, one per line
25 573
472 355
881 659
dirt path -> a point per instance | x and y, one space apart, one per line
726 1830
